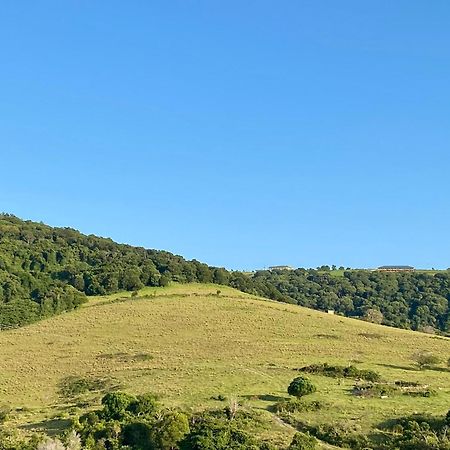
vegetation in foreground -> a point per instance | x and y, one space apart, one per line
46 271
141 423
200 351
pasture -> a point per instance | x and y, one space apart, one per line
194 346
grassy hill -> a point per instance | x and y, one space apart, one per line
190 345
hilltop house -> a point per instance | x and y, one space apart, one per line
396 269
281 268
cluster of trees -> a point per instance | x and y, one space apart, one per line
410 300
140 423
46 270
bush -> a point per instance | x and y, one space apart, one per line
341 436
144 405
341 372
297 405
302 441
169 430
425 360
4 413
301 386
210 433
115 405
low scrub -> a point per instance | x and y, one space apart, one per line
296 405
341 372
72 387
381 390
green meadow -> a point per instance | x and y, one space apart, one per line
197 346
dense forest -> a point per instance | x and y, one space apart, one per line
46 270
411 300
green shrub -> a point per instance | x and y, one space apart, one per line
169 430
297 405
301 386
341 372
116 404
209 433
374 390
425 360
144 405
302 441
341 436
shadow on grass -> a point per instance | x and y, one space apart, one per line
52 427
416 369
394 366
434 422
265 397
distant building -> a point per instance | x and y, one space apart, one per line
281 268
396 269
330 311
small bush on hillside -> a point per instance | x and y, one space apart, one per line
73 386
341 436
302 441
374 390
4 413
297 405
425 360
301 386
341 372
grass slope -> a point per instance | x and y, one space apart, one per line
188 344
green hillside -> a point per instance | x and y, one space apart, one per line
198 345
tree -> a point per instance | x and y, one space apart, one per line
169 430
164 280
115 405
374 315
301 386
425 359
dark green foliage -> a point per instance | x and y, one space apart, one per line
139 424
302 441
116 405
209 433
46 271
144 406
297 405
169 429
418 432
341 372
72 386
301 386
405 300
137 435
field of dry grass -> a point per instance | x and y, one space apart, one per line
189 344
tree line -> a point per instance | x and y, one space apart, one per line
46 270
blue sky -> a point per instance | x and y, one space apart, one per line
240 133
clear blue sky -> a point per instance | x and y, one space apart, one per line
240 133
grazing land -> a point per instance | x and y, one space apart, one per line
197 345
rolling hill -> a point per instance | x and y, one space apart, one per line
46 271
197 345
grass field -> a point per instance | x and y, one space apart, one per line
189 344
